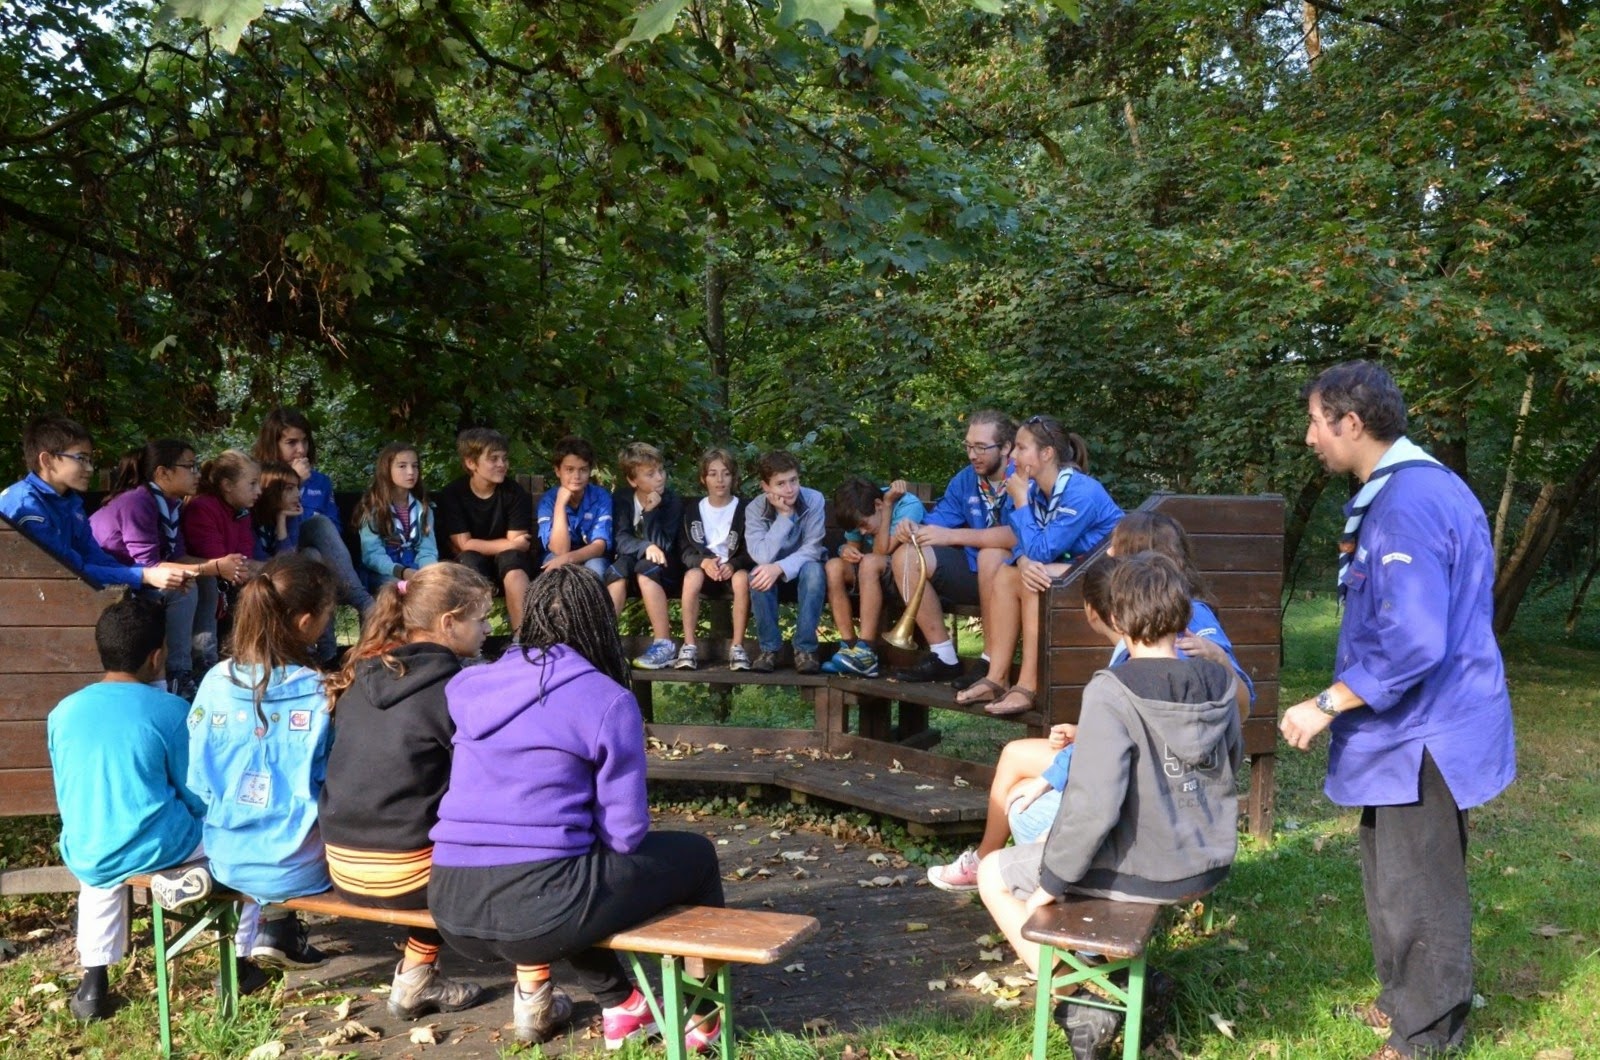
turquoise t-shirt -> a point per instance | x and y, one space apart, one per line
120 752
909 506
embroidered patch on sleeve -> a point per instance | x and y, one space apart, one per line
1391 557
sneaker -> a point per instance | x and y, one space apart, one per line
538 1015
93 998
658 656
1089 1029
704 1035
861 661
960 875
629 1020
738 658
282 943
423 990
688 658
250 975
765 662
180 887
183 684
805 662
928 668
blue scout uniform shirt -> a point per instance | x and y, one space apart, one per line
119 753
1077 516
415 551
57 524
1417 644
316 498
963 506
259 775
909 506
592 522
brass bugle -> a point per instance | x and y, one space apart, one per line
904 634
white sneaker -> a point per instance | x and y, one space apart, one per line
738 658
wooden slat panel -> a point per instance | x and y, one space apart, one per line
22 746
1252 625
1261 514
54 879
1243 552
746 935
1261 736
48 649
52 602
1266 701
1246 588
26 792
21 558
30 697
1074 666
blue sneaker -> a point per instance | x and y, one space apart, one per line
658 656
861 661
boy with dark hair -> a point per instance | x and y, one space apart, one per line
784 528
869 514
485 520
1150 811
119 751
47 506
646 515
575 514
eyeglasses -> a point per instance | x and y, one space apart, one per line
187 467
975 450
84 459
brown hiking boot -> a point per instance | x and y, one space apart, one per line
1368 1015
423 990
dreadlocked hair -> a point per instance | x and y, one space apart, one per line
567 605
402 608
266 624
1140 531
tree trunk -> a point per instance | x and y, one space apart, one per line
1554 506
1299 516
716 339
1313 33
1502 512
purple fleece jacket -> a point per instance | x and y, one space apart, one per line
548 760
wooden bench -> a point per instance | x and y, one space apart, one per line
696 946
1120 932
881 727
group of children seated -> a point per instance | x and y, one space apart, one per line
509 798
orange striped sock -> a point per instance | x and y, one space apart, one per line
529 976
420 953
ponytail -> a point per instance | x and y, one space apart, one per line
401 608
1070 449
139 466
266 624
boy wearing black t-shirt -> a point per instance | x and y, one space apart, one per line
486 522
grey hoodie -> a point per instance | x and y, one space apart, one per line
1151 807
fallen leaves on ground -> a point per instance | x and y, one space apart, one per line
266 1051
424 1035
352 1031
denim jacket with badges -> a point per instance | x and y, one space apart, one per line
259 772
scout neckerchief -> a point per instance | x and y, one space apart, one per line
1047 511
1401 455
992 497
169 521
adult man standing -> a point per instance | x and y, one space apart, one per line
1419 710
971 515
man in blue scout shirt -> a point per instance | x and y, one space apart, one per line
1419 712
971 515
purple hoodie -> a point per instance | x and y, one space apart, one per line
548 760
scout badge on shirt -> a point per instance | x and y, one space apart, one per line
255 789
299 721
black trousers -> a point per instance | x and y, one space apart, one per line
1414 874
619 891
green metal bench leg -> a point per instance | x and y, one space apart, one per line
1129 1002
223 916
679 994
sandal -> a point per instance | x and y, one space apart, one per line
979 692
1001 707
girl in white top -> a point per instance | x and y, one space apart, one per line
715 559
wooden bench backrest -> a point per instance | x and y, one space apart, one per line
47 617
1238 545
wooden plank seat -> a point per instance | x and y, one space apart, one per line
1119 932
696 947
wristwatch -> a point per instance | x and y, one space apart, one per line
1325 703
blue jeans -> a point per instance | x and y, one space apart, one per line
811 590
318 535
181 605
205 623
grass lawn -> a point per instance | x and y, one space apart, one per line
1290 941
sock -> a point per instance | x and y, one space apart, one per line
531 976
864 644
984 657
945 652
419 953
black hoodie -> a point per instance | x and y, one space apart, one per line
390 762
